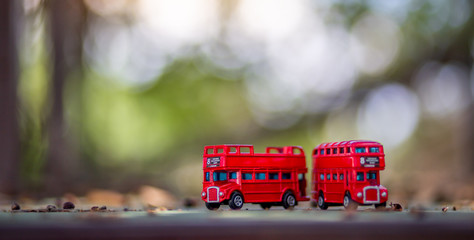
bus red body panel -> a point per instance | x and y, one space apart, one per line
258 177
348 168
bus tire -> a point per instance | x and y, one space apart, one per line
213 206
348 203
266 205
321 203
289 200
236 201
381 205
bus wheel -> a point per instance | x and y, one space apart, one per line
348 203
321 203
289 200
266 205
236 201
381 206
213 206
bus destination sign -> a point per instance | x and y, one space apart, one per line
213 161
371 162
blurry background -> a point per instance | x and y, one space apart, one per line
118 94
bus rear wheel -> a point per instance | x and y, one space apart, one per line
213 206
348 203
266 205
289 200
236 201
321 203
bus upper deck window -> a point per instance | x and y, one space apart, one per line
360 150
360 176
285 176
207 177
321 151
348 150
233 175
210 151
219 176
341 150
328 176
374 149
334 151
341 176
246 176
334 176
328 151
273 176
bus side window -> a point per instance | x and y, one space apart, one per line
334 176
260 176
273 176
328 151
220 150
321 152
341 150
285 176
232 150
360 176
321 176
210 151
334 151
348 150
341 176
246 176
328 176
233 175
371 175
207 177
297 151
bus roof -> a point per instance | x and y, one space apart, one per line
348 144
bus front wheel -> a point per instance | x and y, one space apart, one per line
321 203
236 201
348 203
213 206
289 200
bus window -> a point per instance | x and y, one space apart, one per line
246 176
334 151
245 150
328 176
233 175
210 151
321 152
260 176
220 150
360 176
207 177
371 175
285 176
273 176
232 150
300 176
297 151
360 150
321 176
348 150
328 151
334 176
341 150
374 149
219 176
341 176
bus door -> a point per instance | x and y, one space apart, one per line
302 184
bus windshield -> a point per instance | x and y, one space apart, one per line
360 150
219 176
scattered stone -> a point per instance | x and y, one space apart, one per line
103 208
454 208
68 205
190 202
95 208
445 209
125 209
15 206
51 208
396 207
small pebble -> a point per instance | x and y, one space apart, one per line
51 208
445 209
103 208
95 208
454 208
68 205
396 207
190 202
15 206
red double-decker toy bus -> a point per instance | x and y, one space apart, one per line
234 175
347 173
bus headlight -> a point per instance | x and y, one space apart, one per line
384 194
203 194
221 194
359 194
362 160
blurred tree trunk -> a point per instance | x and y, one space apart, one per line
67 20
9 134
